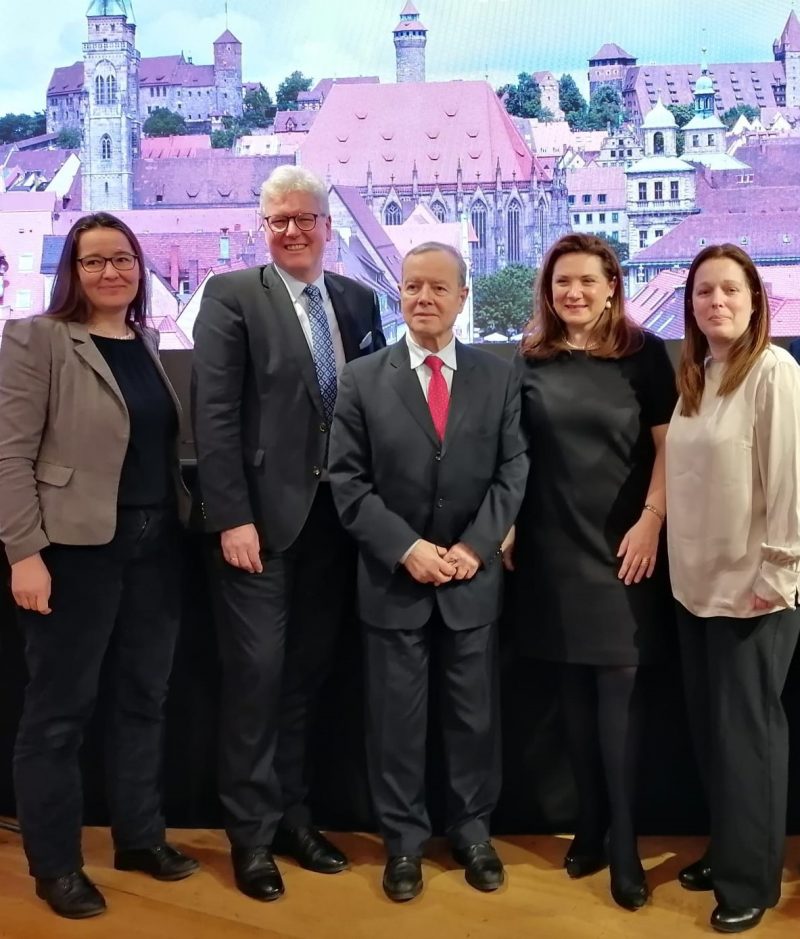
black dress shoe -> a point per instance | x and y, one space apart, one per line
402 877
629 894
72 895
162 861
310 848
736 919
256 873
582 865
696 876
484 869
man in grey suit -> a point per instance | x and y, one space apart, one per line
428 470
269 344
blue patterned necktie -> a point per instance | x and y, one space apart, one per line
324 358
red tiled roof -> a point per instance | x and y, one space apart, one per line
187 145
67 79
370 228
302 121
199 76
594 179
611 50
160 69
776 161
790 37
430 124
405 25
227 36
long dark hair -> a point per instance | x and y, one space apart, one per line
613 336
744 352
68 301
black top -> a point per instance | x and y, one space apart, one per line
146 477
588 422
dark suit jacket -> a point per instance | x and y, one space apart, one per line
259 425
393 481
64 430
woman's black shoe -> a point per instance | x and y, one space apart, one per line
696 876
586 857
630 895
73 895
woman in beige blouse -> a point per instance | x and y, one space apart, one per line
733 503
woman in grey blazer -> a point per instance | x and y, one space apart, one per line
90 498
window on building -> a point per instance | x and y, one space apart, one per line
589 218
673 189
23 300
224 248
393 214
642 192
439 210
183 283
695 140
601 198
642 239
571 200
601 218
152 91
25 263
629 152
477 216
576 218
711 140
111 85
659 232
587 199
658 190
658 142
100 89
614 218
513 245
105 147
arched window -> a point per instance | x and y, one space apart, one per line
541 223
105 147
658 142
439 210
100 92
513 244
477 216
111 89
393 214
105 83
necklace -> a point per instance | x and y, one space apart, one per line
573 346
129 334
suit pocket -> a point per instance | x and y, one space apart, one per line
52 473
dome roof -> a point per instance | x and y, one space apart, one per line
659 117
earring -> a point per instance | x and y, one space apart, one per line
608 303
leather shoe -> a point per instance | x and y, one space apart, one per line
162 861
256 873
73 895
582 865
310 848
484 869
402 877
696 876
736 919
629 894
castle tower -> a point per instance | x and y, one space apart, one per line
609 66
112 126
410 37
705 132
787 51
228 74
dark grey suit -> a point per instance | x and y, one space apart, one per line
262 438
394 482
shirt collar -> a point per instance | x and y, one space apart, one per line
296 287
417 354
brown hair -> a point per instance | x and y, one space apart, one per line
744 351
67 301
613 336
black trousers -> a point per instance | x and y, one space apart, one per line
119 603
397 677
734 671
276 632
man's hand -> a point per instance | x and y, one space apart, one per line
465 561
507 548
241 548
427 565
30 584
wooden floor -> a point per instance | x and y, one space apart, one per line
537 902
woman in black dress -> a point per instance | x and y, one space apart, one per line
592 587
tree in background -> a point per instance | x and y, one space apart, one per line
620 249
234 127
731 116
289 89
164 123
572 102
525 98
502 302
259 108
682 113
605 107
15 127
69 138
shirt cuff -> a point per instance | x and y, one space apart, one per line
404 558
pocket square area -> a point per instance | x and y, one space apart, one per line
366 341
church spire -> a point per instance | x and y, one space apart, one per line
111 8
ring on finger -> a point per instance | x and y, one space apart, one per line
645 561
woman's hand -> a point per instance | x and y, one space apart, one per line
30 584
638 549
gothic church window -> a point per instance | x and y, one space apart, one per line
393 214
658 142
105 147
439 210
513 240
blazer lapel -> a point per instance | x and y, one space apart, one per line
345 317
282 309
151 345
89 352
406 384
460 393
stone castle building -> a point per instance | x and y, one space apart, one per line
410 38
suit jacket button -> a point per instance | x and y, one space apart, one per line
438 456
323 428
317 471
439 503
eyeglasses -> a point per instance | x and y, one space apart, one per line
305 221
94 264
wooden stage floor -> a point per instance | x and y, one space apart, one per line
538 900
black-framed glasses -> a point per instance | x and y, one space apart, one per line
95 263
305 221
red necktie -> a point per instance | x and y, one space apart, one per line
438 395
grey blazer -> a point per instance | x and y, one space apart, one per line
64 430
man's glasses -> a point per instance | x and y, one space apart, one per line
305 221
94 264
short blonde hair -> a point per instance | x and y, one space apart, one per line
289 178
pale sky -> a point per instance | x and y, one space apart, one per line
467 39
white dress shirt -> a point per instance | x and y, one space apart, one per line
295 288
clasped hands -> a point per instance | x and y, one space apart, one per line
430 563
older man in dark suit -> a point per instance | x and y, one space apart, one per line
428 471
269 345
